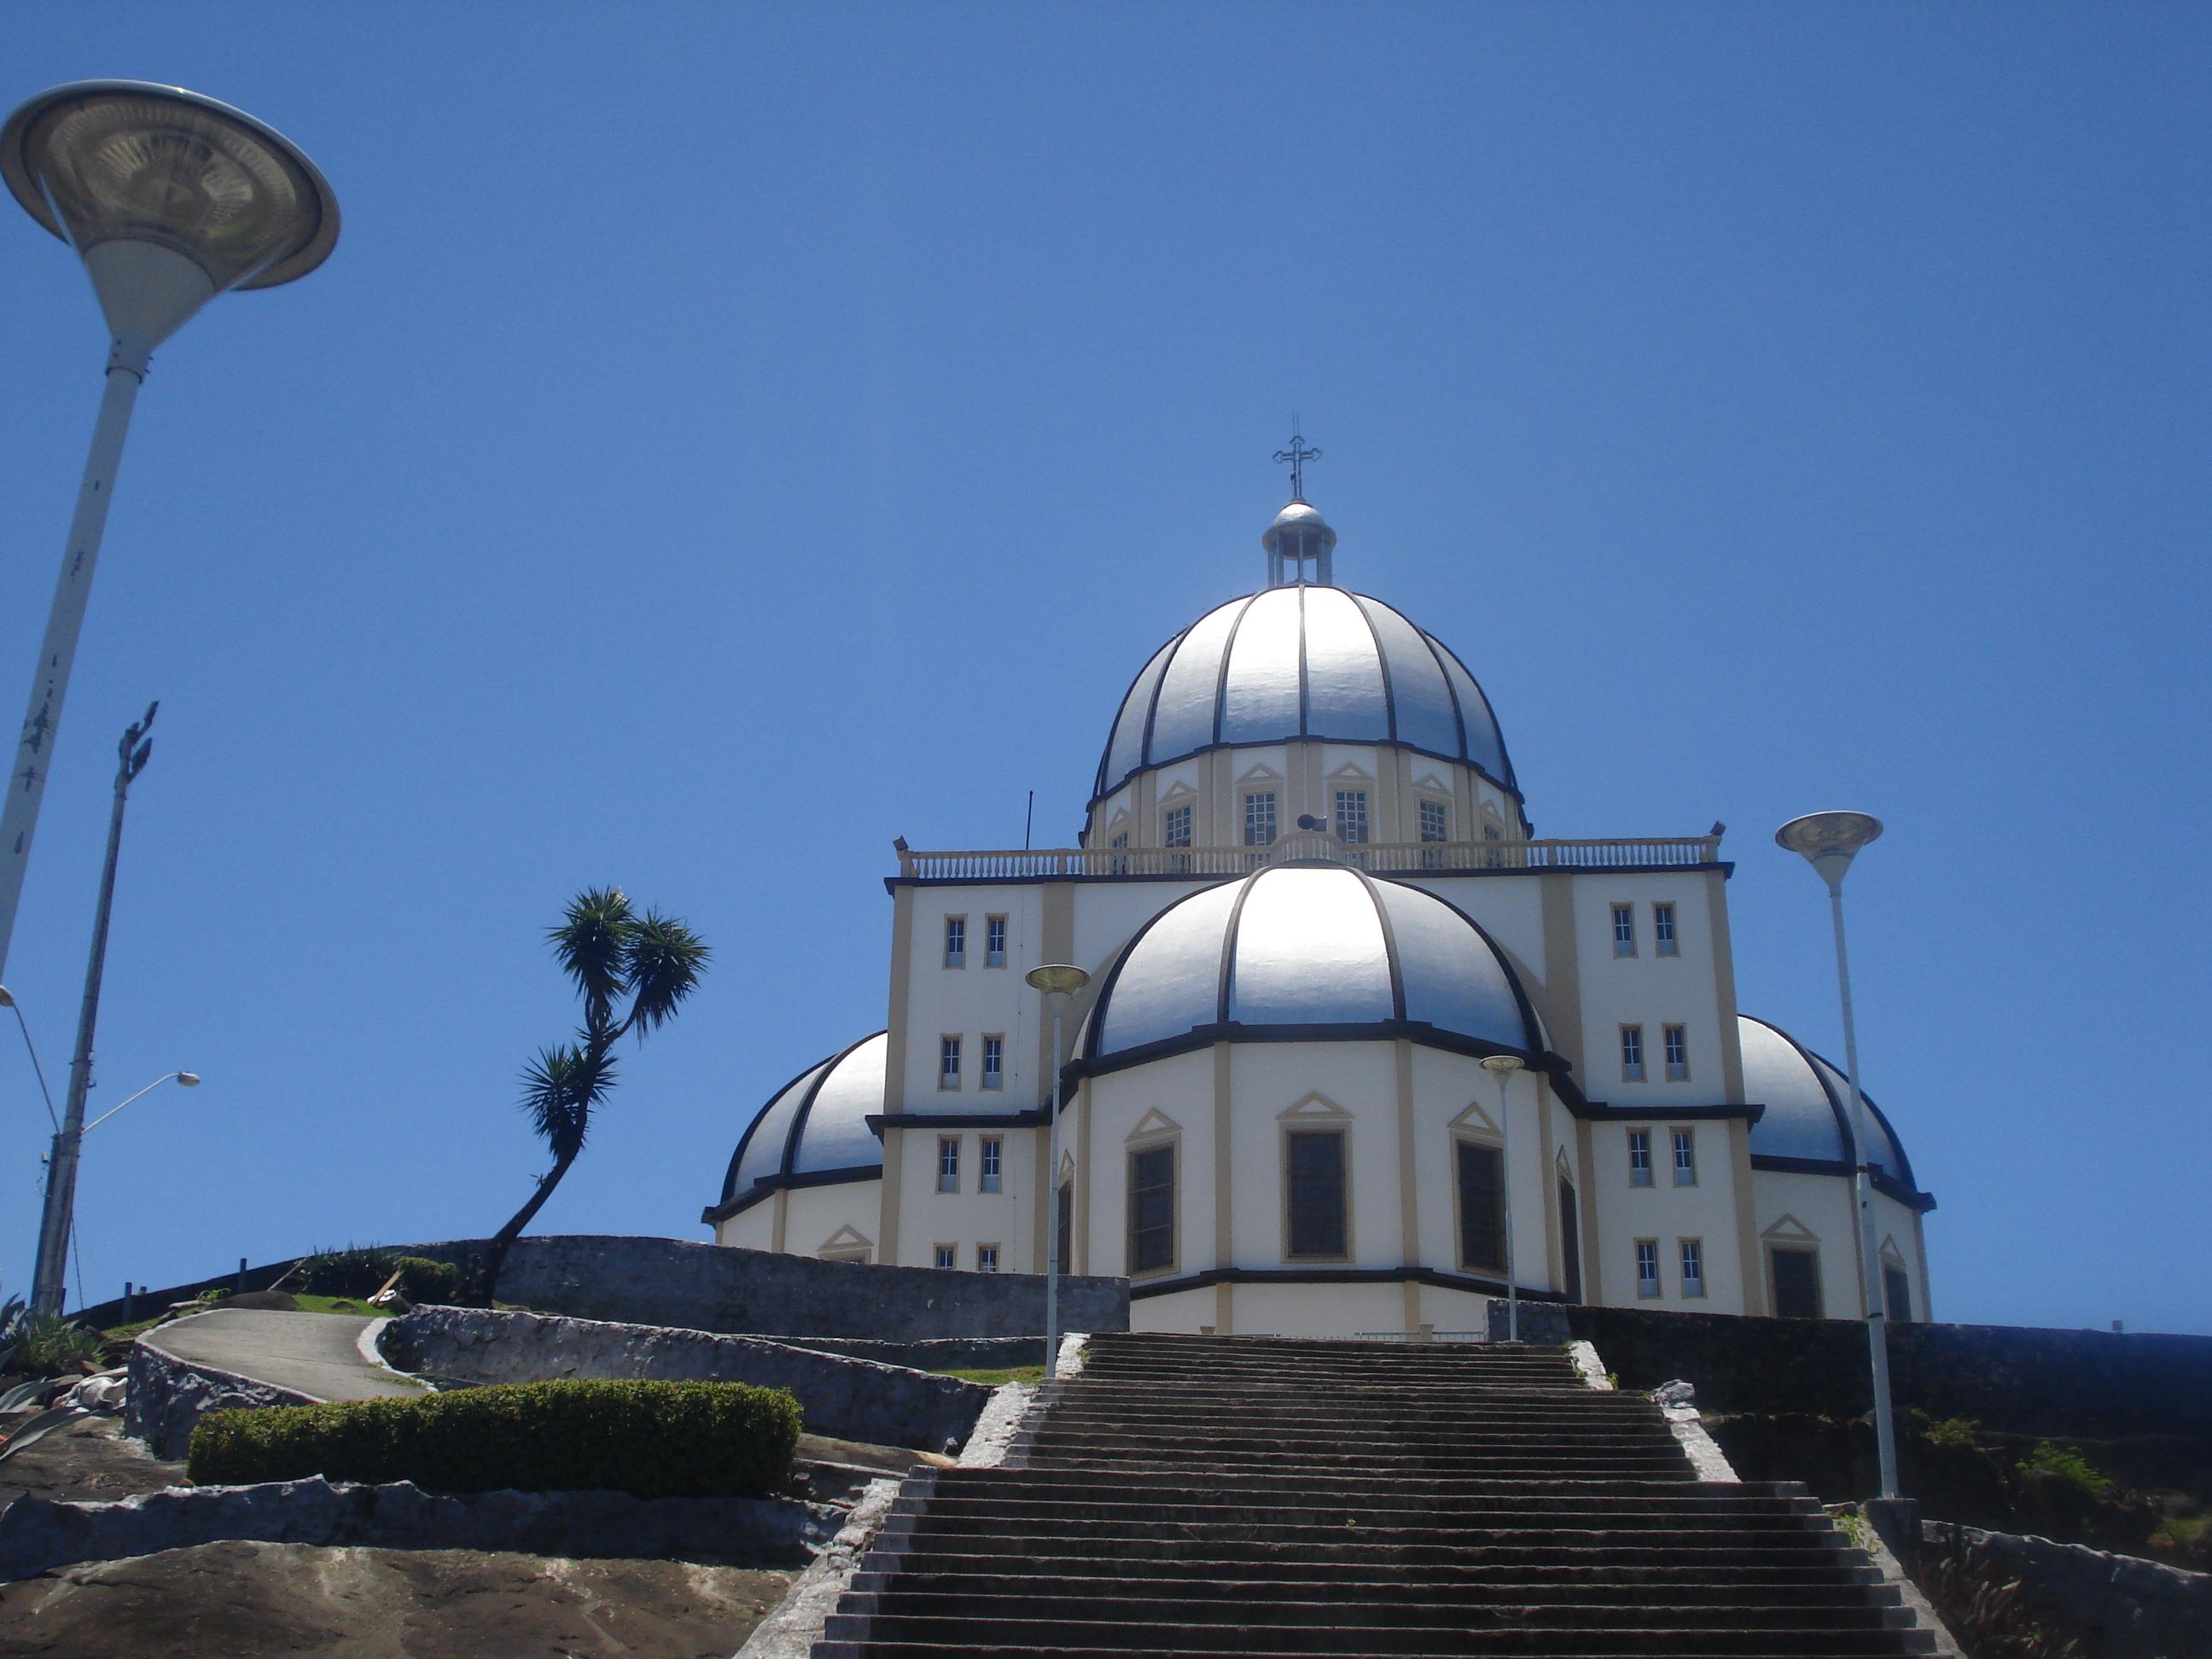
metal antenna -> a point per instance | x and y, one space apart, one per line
1297 455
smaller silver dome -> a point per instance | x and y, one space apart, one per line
1808 1102
1318 537
814 1130
1319 952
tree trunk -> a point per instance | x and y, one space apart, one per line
494 1255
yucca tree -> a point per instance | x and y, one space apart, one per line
614 955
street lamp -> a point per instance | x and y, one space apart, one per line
1059 981
59 1219
169 199
189 1079
7 1001
1502 1066
1828 842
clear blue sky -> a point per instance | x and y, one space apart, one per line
726 438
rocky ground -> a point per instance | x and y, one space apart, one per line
256 1601
244 1600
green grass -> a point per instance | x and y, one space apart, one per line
994 1376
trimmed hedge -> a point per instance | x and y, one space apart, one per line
422 1280
651 1439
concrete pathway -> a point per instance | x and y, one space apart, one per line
310 1353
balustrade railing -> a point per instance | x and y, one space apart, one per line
1383 858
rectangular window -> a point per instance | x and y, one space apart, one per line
1119 867
956 941
994 1062
1352 815
1259 818
1896 1294
1631 1053
1315 1163
1677 1039
1481 1208
1491 858
994 941
1435 820
1623 930
1662 931
1693 1268
1686 1158
987 1258
948 1255
1640 1157
1152 1210
1796 1275
1647 1267
988 1174
948 1062
948 1164
1175 827
1064 1226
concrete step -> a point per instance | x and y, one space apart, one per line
1117 1485
896 1632
1330 1545
1015 1513
944 1576
1670 1579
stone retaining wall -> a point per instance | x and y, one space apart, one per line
37 1534
848 1398
714 1287
167 1395
2120 1605
2013 1379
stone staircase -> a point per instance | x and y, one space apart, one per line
1257 1498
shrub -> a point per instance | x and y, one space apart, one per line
47 1344
2066 1465
1952 1432
422 1280
357 1270
652 1439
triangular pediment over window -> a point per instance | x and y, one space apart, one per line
1789 1229
1317 1108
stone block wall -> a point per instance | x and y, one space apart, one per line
2014 1379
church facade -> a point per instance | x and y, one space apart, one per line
1354 1043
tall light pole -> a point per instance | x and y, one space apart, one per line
1059 981
1502 1066
54 1222
170 198
1828 842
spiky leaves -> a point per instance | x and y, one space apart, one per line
609 951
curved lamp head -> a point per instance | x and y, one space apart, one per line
7 997
190 1079
1829 841
1057 979
169 197
1504 1066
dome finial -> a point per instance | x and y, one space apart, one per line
1297 455
1299 534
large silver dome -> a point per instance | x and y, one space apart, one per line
813 1131
1301 662
1301 950
1808 1102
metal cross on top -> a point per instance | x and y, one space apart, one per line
1297 455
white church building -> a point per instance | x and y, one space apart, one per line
1311 908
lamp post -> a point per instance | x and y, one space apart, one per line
7 1001
1828 842
169 199
131 755
187 1080
1059 981
1502 1066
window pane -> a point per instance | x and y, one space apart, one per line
1260 819
1152 1210
1482 1206
1064 1233
1662 929
1897 1293
1351 815
955 940
947 1255
1796 1284
1316 1196
1435 823
989 1171
1175 824
994 941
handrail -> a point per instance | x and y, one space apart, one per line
1383 858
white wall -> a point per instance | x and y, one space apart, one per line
1649 990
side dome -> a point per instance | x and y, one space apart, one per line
813 1131
1809 1103
1308 951
1301 662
